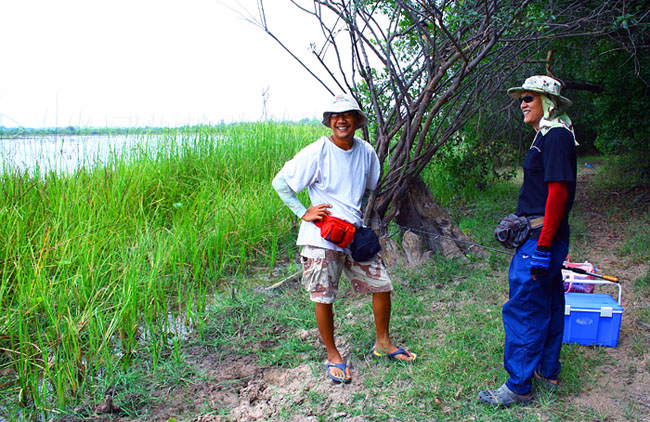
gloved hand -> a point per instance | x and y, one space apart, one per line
541 261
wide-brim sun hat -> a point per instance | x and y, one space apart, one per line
340 104
543 85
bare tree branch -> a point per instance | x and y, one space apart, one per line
424 66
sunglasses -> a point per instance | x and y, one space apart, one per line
526 99
344 114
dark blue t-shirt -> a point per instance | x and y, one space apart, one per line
551 158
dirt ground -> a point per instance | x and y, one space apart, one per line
623 388
255 393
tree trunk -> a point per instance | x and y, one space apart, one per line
419 212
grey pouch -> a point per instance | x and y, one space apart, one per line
512 231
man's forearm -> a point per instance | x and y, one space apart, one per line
557 196
288 196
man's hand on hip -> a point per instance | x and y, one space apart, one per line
317 212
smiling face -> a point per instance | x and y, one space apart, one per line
343 126
531 106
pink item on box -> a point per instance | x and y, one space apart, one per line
577 283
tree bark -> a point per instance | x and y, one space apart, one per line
419 212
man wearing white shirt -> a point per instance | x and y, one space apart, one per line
339 171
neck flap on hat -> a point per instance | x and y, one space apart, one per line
554 118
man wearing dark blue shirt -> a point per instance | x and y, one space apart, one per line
533 317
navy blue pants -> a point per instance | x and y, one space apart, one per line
533 318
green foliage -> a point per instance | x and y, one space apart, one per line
622 110
465 166
626 171
615 119
613 58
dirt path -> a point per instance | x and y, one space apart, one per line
622 390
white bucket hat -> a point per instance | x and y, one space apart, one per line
342 103
544 85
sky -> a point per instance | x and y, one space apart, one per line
126 63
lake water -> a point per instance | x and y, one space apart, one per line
65 154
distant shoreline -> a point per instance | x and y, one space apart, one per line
24 132
14 133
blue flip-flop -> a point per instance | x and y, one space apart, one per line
343 367
399 351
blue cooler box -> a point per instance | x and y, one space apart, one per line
591 319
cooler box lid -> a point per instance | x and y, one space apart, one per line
591 302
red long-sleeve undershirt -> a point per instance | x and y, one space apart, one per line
558 193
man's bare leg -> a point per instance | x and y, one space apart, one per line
325 322
381 306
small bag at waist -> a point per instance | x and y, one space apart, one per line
513 230
337 231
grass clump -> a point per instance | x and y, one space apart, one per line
624 171
638 235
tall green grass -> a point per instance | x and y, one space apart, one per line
97 264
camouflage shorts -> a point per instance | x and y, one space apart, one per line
321 271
